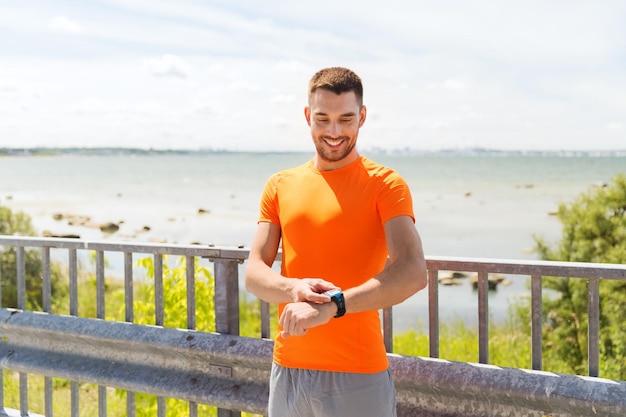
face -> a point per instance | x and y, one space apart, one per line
334 121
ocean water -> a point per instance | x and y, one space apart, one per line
485 206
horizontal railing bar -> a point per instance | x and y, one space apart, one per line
528 267
502 266
156 248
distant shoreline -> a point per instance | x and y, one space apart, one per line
116 151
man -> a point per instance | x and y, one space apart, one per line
350 248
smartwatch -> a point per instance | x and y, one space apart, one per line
336 296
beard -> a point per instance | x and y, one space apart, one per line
332 155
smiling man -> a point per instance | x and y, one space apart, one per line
350 248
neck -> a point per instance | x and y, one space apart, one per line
324 165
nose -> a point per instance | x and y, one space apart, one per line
333 129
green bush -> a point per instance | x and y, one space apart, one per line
20 224
594 230
175 315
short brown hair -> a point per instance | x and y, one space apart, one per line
338 80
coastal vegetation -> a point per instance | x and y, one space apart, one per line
19 223
593 230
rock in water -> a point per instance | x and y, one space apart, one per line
109 227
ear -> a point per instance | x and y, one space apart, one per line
307 115
362 115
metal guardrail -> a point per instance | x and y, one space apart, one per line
226 371
433 386
232 372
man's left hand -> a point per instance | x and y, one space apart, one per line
297 318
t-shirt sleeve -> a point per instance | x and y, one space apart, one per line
395 198
269 201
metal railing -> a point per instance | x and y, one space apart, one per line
249 360
537 270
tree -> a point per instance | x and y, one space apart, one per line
594 230
20 224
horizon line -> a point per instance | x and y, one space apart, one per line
41 150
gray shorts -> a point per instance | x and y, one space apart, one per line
304 393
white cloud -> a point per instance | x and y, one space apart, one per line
280 122
8 86
282 98
65 25
167 66
531 74
453 85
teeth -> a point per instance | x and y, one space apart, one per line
333 142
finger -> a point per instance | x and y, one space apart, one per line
318 298
294 328
321 286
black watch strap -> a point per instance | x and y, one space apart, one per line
336 296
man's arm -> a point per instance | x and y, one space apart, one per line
270 286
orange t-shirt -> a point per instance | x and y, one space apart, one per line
332 228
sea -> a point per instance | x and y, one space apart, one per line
467 204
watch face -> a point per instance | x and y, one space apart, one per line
332 292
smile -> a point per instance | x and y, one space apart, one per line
333 142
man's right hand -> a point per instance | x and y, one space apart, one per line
312 290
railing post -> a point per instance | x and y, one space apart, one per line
100 313
388 329
129 318
47 307
226 296
593 329
100 285
433 313
190 271
73 284
536 322
483 317
20 259
265 320
159 314
227 306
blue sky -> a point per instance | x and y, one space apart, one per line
232 74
